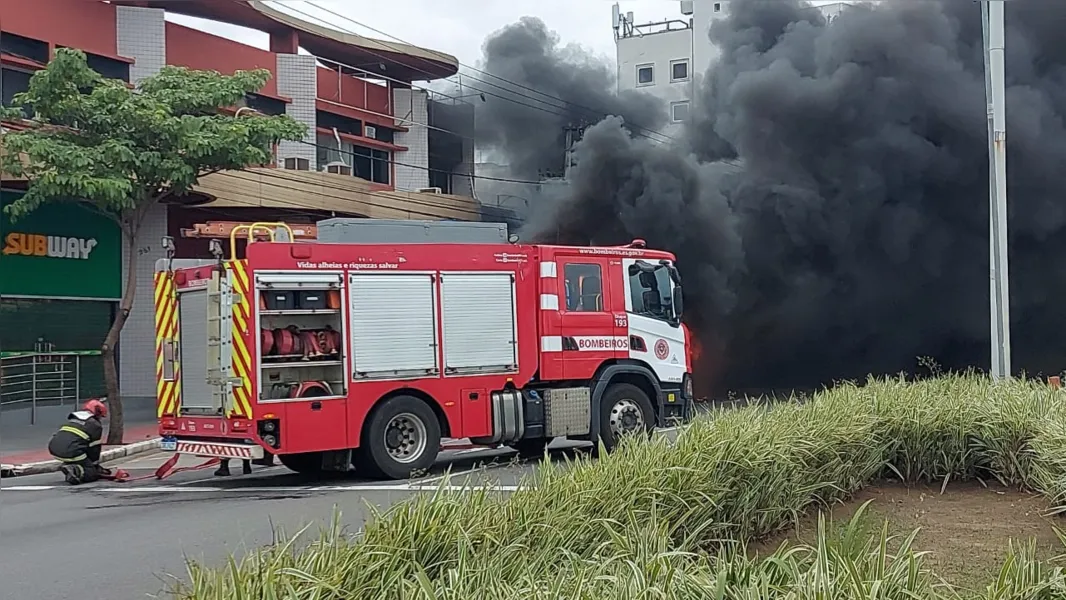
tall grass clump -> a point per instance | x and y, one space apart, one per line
670 520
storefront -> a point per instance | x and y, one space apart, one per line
60 280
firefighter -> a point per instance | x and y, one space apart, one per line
78 442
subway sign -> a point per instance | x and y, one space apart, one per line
59 250
48 246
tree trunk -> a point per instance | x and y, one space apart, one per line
107 351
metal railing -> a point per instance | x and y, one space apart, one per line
42 379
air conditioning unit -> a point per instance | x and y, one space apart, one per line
686 7
296 164
371 131
339 168
430 190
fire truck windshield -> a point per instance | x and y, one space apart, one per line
652 291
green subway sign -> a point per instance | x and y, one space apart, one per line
60 250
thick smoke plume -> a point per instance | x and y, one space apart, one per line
829 207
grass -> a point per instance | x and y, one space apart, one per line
671 521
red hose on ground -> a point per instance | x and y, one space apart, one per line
165 470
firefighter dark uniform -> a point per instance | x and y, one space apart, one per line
78 442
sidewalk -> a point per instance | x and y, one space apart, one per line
22 443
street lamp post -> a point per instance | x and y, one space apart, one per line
995 94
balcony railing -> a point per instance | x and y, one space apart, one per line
33 379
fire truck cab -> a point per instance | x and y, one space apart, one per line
337 356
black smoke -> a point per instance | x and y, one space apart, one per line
829 205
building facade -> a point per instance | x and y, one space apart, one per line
369 152
668 58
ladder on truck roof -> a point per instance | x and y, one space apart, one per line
258 231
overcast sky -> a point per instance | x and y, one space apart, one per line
459 26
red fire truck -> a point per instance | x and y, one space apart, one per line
337 356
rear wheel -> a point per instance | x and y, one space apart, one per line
401 438
306 463
625 410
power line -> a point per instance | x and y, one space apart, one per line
598 113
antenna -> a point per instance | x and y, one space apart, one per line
616 17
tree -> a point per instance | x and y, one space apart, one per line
122 150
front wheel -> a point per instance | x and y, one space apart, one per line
625 410
402 438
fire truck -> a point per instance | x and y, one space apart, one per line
370 356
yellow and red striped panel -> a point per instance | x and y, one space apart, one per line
242 324
168 393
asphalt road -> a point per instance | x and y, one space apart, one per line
122 541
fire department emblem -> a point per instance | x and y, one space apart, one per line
662 349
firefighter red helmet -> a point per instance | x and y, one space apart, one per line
97 408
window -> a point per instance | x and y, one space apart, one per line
717 7
371 164
341 123
264 104
13 82
108 67
679 70
366 163
645 74
584 292
651 291
24 47
679 111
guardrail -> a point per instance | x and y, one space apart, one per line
42 379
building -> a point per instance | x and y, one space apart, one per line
377 147
668 58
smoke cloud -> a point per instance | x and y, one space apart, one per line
829 203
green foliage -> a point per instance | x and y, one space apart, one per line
121 149
662 520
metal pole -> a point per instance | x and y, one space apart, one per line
995 89
33 389
995 365
77 379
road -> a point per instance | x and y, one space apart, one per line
117 541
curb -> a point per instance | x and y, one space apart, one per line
51 466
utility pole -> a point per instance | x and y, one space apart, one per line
995 94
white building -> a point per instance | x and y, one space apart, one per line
668 58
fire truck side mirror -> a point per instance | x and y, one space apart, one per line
513 238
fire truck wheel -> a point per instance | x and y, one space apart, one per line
402 438
624 410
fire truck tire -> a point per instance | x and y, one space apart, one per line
402 438
624 410
306 463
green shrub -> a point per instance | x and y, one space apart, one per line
669 520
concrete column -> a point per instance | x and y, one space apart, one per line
137 344
298 79
409 107
142 37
